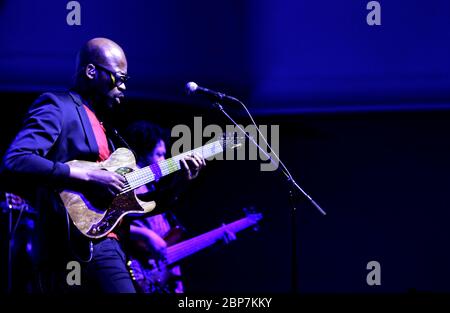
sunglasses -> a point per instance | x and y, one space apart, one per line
117 79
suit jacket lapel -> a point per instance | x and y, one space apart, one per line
85 122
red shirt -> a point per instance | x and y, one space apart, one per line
100 135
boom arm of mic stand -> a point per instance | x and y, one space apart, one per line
289 177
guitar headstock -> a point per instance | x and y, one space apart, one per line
253 215
232 140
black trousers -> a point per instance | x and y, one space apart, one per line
107 272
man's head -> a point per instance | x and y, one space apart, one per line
148 142
102 71
158 153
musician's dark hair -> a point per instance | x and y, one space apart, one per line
142 136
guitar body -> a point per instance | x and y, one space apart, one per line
95 216
150 275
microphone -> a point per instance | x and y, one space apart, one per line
193 88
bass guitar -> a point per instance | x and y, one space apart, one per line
154 277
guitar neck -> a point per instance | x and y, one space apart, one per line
163 168
191 246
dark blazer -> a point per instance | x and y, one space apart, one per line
56 130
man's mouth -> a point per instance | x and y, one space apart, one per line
119 98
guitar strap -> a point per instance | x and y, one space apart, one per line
112 132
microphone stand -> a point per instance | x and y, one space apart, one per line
10 239
10 236
292 185
11 233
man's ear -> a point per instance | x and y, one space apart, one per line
90 71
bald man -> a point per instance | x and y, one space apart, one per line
65 126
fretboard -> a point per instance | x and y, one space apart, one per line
188 247
163 168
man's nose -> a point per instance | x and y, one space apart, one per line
122 87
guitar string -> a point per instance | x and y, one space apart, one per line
135 175
139 178
166 165
191 246
182 250
145 175
142 176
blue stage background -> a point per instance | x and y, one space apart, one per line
363 115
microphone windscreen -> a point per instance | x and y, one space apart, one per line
191 87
